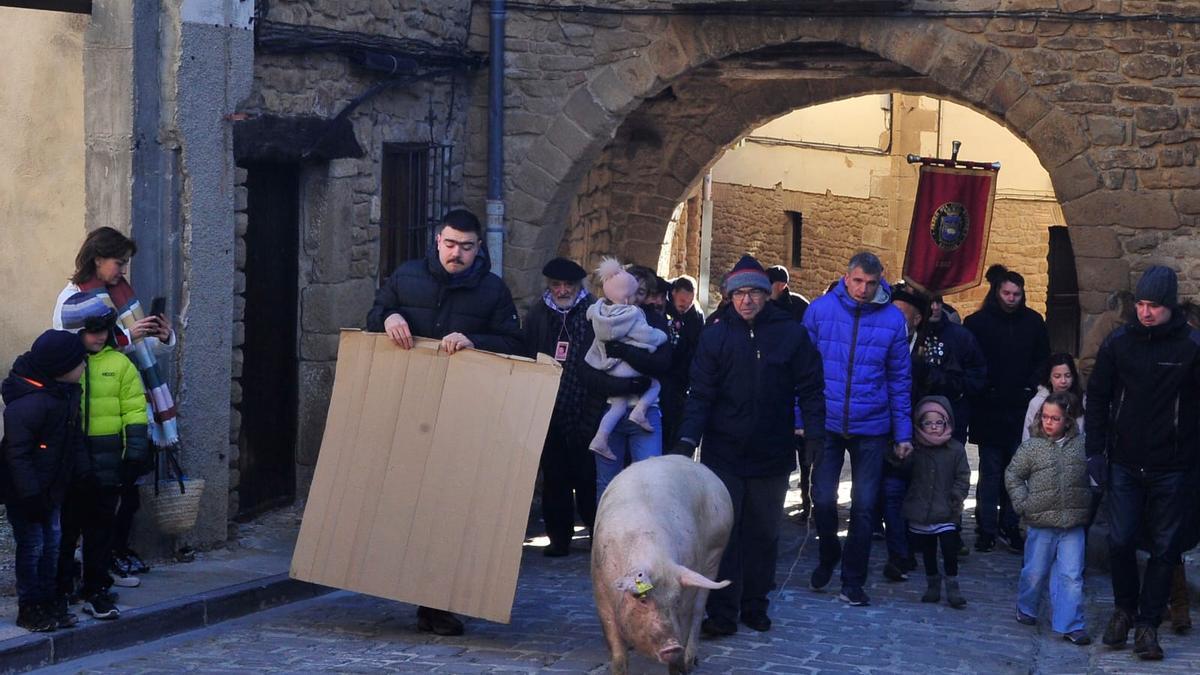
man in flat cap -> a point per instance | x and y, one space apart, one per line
1142 442
782 296
557 326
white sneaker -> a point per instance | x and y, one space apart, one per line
126 581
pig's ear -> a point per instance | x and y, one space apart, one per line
692 578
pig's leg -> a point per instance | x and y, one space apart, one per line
612 635
693 637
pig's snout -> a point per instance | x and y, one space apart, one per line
671 652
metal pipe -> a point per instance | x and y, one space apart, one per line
706 226
495 192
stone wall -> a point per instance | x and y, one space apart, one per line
755 220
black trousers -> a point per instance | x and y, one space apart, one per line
131 501
88 511
568 484
1160 502
927 546
749 559
671 400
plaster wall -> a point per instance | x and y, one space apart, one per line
41 168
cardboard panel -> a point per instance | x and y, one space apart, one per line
426 471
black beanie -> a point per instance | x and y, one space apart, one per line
56 352
1159 284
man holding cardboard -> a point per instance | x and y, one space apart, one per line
449 295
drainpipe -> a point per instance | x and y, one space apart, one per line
495 193
706 224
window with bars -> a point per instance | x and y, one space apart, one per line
416 182
796 238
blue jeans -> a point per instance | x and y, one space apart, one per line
993 510
892 489
1056 556
36 554
629 440
866 470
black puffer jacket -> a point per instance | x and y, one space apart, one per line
1015 345
744 380
1143 398
42 434
476 303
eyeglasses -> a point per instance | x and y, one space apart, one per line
1051 418
742 294
933 424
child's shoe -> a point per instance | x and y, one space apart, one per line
638 417
933 588
954 596
100 607
599 445
134 562
34 618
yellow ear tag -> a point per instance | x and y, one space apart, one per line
642 588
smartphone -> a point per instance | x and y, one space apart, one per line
158 306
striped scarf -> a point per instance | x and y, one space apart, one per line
164 431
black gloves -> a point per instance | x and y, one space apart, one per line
35 508
1097 468
616 350
812 450
638 385
683 447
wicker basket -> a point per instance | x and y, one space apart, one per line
174 513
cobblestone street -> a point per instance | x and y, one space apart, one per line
554 629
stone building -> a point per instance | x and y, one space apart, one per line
203 118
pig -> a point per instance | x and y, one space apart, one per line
661 527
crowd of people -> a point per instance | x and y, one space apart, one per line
765 385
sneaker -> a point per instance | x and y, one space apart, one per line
134 562
893 572
1078 637
758 621
556 550
1026 620
1117 633
1145 644
820 577
34 618
985 543
438 621
99 606
125 580
713 628
1012 539
854 597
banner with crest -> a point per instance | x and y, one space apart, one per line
948 238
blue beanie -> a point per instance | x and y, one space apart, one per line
86 311
747 273
1159 284
56 352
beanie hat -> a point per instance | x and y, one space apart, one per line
56 352
618 284
86 311
777 274
562 269
904 293
747 273
1159 284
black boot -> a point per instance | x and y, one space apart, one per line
438 621
933 588
1117 633
1145 643
33 617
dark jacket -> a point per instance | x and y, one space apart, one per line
940 479
475 303
1015 345
1143 399
42 434
792 303
544 329
868 369
742 386
684 331
947 362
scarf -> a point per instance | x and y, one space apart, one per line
931 438
548 298
164 430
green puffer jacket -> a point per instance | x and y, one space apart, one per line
117 444
1048 482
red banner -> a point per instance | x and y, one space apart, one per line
948 238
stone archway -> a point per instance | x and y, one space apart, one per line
1093 102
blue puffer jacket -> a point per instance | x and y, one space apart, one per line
868 374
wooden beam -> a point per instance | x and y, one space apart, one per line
72 6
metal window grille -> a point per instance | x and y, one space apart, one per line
416 189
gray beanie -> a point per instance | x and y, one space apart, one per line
1159 284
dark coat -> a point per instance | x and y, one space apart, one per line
947 362
743 382
475 303
792 303
940 477
1015 345
684 331
43 434
601 385
544 329
1143 399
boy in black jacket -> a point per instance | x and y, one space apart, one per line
42 433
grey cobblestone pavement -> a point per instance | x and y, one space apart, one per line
554 629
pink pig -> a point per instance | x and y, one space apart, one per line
661 527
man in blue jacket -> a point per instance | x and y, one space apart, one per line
748 370
863 341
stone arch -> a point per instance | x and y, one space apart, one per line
955 62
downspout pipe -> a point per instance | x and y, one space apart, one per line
495 191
